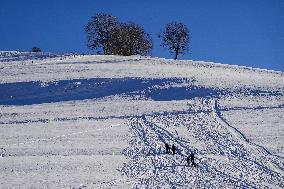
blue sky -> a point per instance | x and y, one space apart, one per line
242 32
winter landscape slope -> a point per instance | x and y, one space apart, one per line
85 121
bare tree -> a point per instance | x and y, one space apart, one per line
98 31
114 37
130 39
175 37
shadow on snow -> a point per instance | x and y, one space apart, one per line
26 93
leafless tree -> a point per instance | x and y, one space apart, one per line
106 32
175 37
129 39
99 30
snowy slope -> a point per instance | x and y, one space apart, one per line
85 121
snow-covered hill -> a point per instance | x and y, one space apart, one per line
85 121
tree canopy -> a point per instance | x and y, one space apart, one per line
175 37
114 37
99 30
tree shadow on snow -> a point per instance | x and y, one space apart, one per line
167 89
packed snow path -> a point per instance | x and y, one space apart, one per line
225 158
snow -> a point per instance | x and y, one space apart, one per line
261 119
94 121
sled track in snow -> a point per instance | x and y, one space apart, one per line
218 114
228 159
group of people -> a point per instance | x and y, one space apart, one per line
189 159
168 148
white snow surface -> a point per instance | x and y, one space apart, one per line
94 121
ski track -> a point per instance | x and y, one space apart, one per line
229 160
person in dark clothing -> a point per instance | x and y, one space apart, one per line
167 146
188 160
191 158
174 149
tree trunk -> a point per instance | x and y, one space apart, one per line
176 54
105 50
